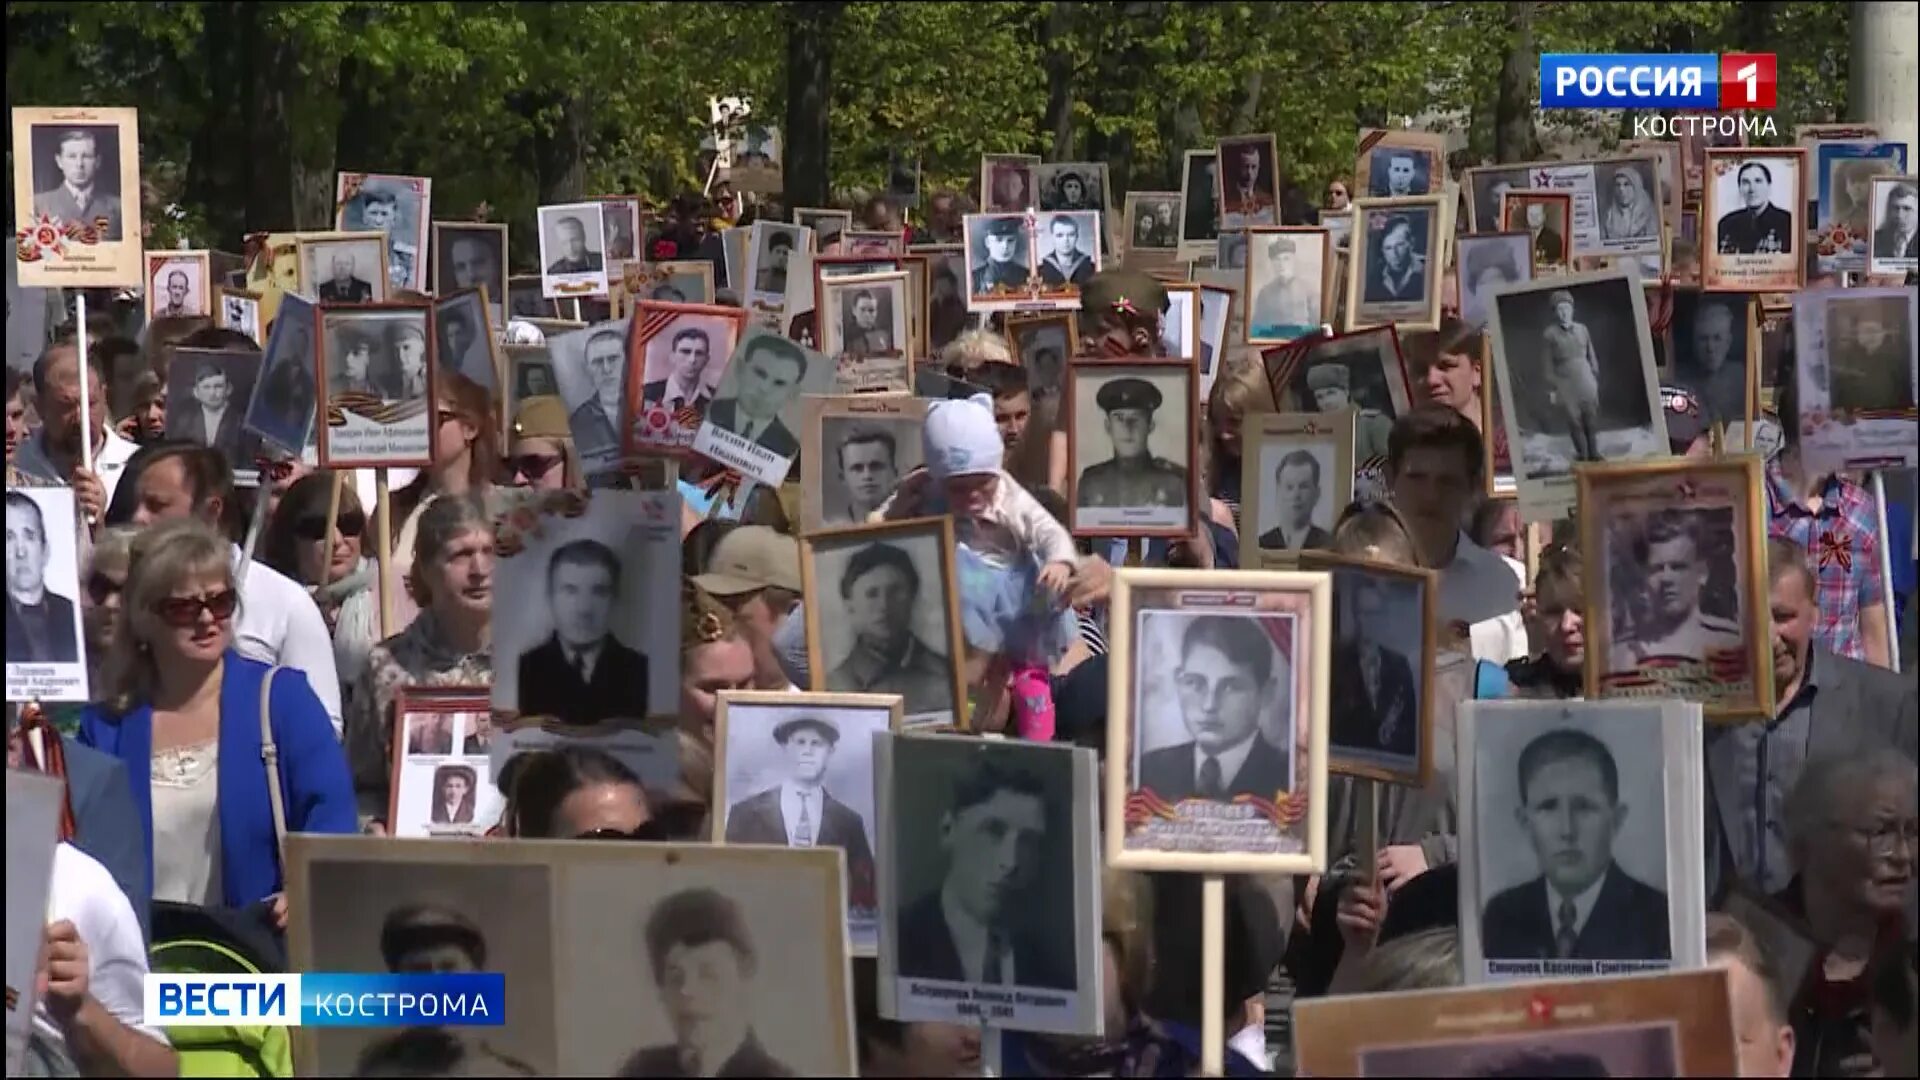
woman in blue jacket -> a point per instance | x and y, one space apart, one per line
182 710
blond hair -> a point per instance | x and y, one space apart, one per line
976 347
163 557
1376 531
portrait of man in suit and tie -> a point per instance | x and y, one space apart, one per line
89 190
800 811
596 419
1896 234
1581 904
40 622
766 382
209 413
345 285
679 379
1300 512
1224 678
1374 697
583 673
453 788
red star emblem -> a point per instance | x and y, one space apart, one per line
1540 1009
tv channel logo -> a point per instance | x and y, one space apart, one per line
1655 81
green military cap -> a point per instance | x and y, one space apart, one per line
1004 226
1128 394
1108 288
1322 376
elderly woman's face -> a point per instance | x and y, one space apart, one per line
1867 852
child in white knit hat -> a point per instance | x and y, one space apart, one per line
1016 559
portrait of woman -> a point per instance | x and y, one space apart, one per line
1631 213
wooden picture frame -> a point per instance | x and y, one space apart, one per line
1264 209
1259 469
314 242
1672 371
627 206
502 282
1376 141
1086 370
919 270
246 320
325 406
1261 238
991 201
940 531
1020 328
484 336
1372 427
1405 314
1778 271
413 700
347 187
883 412
649 429
1513 218
52 249
527 287
858 371
809 217
1130 217
1346 761
1886 259
1196 245
1306 599
198 267
870 243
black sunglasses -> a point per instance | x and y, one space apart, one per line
101 588
650 831
533 466
184 611
350 523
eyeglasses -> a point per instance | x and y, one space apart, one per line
349 524
650 831
1884 839
184 611
101 588
533 466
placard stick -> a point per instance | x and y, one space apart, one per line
990 1063
86 402
256 524
1367 828
333 512
384 522
1213 974
1886 569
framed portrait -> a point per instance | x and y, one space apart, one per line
1230 250
1363 371
856 450
761 929
1676 583
1638 871
281 410
589 367
947 312
1180 326
871 242
1399 164
829 226
1296 478
1857 384
1001 274
343 268
771 247
1895 225
1132 437
526 372
1385 636
473 255
1573 362
46 651
467 345
273 269
1546 217
862 327
35 803
1153 222
1248 181
1496 456
1754 216
1615 209
1043 343
1713 349
179 285
1843 186
1646 1025
752 423
620 227
238 309
796 769
76 197
1001 834
1217 724
579 587
903 177
685 281
398 207
572 259
675 356
527 298
1073 186
1199 204
1068 243
1006 183
1394 274
441 740
1216 312
376 385
1487 260
1667 171
1286 284
207 392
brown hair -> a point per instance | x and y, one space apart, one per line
1729 939
163 556
442 522
1786 557
1435 427
1561 580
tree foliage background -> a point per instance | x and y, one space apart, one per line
249 108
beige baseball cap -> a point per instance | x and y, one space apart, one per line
750 558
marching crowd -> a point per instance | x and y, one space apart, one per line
205 658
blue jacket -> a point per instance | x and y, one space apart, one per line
313 773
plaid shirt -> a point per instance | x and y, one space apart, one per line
1843 547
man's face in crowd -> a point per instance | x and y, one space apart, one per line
1219 699
604 361
808 753
766 382
1000 247
177 289
1432 487
1754 188
1675 576
60 405
1396 247
211 391
378 215
1298 493
993 849
1794 614
1065 239
77 159
1764 1046
473 264
163 494
26 552
1453 380
866 312
1713 337
573 239
1010 414
582 602
1129 428
868 471
1866 852
881 604
342 269
1400 175
440 958
702 987
690 355
1571 823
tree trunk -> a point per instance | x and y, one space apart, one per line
1059 120
560 153
269 65
1514 138
809 101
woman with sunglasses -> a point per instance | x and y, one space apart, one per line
102 585
448 644
466 452
540 453
578 793
341 580
182 711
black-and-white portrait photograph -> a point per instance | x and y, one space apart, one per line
1755 214
398 206
1713 342
1006 183
532 368
1287 282
590 370
1573 358
990 859
884 618
1379 710
375 372
753 425
46 657
527 298
1069 252
76 173
1301 489
1219 684
1072 186
773 247
1487 261
683 351
1895 225
1571 841
947 313
1487 188
796 770
469 255
681 281
1199 201
1650 1049
1870 347
281 409
1362 371
207 392
1547 219
1131 436
1395 172
867 443
1180 323
1043 344
572 259
441 785
1230 250
76 197
1394 279
466 341
1153 221
1216 305
344 269
903 177
178 285
828 226
619 228
1856 373
999 260
583 646
393 906
1844 173
238 310
1249 181
863 318
1627 201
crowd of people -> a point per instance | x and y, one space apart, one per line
204 656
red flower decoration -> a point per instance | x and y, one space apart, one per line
664 249
1540 1009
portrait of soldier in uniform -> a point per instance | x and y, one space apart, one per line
1661 602
1133 476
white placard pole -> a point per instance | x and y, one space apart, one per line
1886 569
86 403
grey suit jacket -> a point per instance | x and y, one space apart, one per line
106 825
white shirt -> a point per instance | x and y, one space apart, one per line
1230 759
792 797
970 941
1482 589
1582 906
83 893
111 461
279 624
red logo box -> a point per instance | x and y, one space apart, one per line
1747 80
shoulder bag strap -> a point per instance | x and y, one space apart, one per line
270 755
